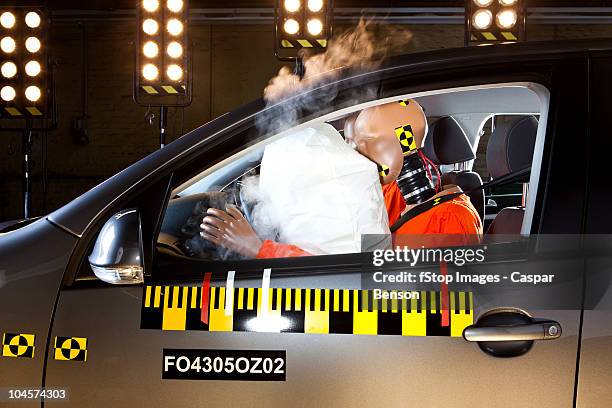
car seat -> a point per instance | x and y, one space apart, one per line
446 143
510 149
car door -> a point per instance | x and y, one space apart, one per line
596 344
370 356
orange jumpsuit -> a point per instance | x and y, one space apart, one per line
457 219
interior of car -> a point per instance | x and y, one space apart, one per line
475 135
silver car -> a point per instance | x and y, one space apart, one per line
101 302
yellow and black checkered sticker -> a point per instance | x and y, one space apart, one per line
71 348
406 138
322 311
383 170
18 345
404 102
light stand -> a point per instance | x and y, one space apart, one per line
26 143
163 122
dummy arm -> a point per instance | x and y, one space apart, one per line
231 230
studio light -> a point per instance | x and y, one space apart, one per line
174 27
26 89
23 63
7 93
150 72
9 70
162 60
150 49
175 6
32 68
506 19
32 93
7 45
315 26
301 24
150 26
291 26
292 5
494 21
174 50
315 5
32 44
7 20
32 19
174 72
482 19
150 5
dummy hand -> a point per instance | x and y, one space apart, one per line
230 230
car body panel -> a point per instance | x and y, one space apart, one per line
33 260
124 363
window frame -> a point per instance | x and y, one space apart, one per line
328 260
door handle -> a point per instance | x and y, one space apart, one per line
510 332
547 330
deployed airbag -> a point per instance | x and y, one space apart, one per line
321 194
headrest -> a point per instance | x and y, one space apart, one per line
511 145
446 142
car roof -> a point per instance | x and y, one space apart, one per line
76 216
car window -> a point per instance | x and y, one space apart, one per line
235 180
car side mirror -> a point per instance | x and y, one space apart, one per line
117 255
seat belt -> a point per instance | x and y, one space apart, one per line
429 204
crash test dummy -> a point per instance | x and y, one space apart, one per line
390 135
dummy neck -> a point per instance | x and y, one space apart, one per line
413 182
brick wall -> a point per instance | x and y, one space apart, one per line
232 64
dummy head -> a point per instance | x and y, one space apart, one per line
387 133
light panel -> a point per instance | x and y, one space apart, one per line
24 79
301 24
494 21
162 55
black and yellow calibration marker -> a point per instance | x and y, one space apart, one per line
383 170
18 345
406 138
323 311
404 102
70 348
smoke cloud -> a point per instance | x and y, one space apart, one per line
359 49
288 97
